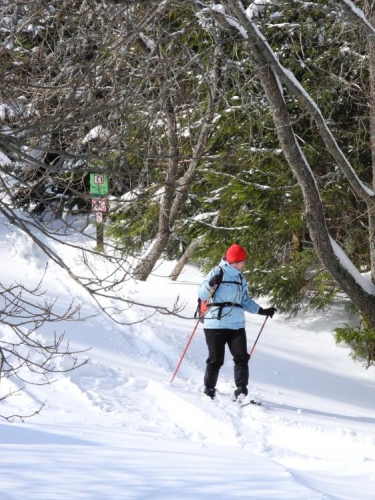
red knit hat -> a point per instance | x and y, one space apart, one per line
235 253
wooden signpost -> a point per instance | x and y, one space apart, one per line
98 191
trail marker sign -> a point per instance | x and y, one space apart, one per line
99 204
98 191
98 184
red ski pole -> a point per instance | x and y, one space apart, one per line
205 309
186 348
255 343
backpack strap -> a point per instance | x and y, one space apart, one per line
221 306
202 306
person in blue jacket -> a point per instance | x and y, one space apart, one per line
224 321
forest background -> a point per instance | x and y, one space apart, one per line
213 123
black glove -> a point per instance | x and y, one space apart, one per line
270 311
215 280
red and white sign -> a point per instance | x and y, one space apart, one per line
99 205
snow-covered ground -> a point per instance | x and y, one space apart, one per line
118 429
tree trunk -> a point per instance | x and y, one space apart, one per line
147 263
177 189
185 258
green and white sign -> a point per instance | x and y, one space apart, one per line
98 184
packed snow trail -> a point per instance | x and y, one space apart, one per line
117 428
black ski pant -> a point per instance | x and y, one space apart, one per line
216 339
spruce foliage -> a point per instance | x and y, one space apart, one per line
89 91
361 339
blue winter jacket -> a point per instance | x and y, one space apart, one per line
233 292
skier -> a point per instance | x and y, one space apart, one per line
224 322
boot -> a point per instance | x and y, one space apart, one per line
210 392
240 391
